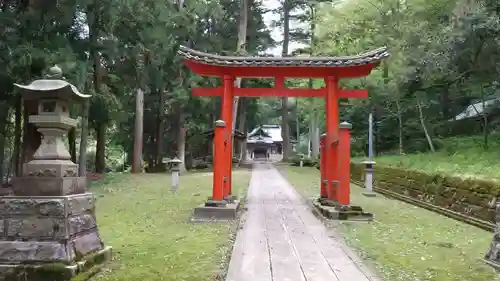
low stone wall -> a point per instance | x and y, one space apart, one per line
471 197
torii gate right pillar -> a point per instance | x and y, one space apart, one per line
335 168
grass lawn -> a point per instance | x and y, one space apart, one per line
460 156
148 227
405 242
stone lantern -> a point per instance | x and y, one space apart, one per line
176 168
50 218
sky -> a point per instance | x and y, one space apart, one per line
277 33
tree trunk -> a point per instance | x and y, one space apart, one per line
160 131
485 121
315 136
181 141
100 150
313 147
445 103
297 124
400 126
93 14
72 144
82 157
311 136
285 131
17 136
485 131
309 144
240 50
4 113
243 128
138 133
424 127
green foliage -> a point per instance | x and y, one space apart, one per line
459 156
444 54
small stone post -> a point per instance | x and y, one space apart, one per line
369 179
176 168
50 221
301 163
492 257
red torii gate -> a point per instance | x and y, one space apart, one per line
335 182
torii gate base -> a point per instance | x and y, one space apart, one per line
334 201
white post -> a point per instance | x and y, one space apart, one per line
370 163
370 137
175 181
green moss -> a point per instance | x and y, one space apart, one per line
52 272
87 274
58 271
455 193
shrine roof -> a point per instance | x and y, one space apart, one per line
370 57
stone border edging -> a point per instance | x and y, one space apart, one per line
488 226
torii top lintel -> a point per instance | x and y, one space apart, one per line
205 64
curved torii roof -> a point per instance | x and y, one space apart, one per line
343 66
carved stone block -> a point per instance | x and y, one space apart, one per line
32 206
80 203
50 168
80 223
68 221
33 227
32 251
48 186
87 243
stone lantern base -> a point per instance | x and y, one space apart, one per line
49 238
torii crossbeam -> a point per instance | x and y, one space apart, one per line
335 168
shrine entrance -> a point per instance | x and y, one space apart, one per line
335 156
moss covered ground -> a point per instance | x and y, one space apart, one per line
404 242
148 227
459 156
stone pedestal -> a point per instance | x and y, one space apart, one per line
39 232
492 257
48 229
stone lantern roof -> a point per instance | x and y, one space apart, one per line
52 86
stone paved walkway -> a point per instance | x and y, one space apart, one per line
281 240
